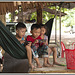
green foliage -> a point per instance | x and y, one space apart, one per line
46 16
10 17
34 16
16 12
52 7
68 20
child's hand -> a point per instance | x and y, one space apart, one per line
22 41
45 43
36 41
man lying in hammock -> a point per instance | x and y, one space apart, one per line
20 32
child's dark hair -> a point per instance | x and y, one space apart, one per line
20 25
35 26
44 26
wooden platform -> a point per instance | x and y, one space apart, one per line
21 66
55 69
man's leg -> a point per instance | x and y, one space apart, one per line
29 55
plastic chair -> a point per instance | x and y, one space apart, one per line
73 44
63 49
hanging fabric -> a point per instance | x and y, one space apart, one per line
10 44
49 25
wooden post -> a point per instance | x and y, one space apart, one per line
20 14
39 15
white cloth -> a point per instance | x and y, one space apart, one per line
0 53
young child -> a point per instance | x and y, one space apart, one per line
38 49
20 33
43 36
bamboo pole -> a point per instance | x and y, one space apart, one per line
60 31
56 26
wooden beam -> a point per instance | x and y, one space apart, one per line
39 15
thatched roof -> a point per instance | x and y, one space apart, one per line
12 6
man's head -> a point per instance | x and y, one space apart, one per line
35 30
20 29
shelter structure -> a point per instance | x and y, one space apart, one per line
32 6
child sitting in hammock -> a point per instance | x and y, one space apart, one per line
20 33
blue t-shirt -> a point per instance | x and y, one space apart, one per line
23 39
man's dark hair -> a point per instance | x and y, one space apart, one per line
20 25
35 26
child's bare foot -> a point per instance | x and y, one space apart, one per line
56 63
50 64
32 67
39 66
46 65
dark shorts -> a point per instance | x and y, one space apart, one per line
41 50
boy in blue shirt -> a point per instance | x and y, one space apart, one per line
20 33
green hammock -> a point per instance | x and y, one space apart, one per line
11 45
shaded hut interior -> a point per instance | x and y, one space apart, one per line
25 9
